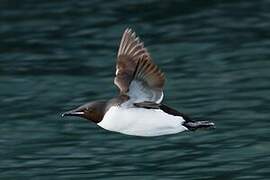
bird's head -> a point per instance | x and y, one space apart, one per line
93 111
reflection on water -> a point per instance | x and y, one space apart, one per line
60 54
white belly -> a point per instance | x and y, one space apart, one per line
141 122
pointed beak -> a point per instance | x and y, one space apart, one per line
73 113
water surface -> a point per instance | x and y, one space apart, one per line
56 55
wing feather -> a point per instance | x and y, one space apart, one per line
135 64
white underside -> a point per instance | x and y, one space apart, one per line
141 122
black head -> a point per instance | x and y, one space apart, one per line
93 111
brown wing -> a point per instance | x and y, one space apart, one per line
135 64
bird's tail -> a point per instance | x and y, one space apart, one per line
194 125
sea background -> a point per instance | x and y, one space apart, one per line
57 55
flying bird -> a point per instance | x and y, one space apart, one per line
138 109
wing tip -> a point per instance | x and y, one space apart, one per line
131 44
128 29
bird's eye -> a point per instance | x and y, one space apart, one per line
89 109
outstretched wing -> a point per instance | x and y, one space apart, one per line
136 74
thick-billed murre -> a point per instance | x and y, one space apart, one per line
137 110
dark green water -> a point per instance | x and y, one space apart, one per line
56 55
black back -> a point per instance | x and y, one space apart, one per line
174 112
167 109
